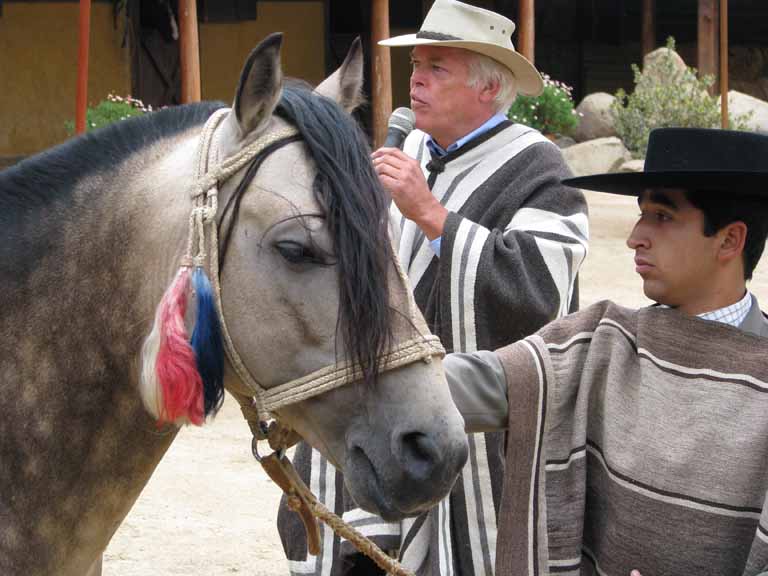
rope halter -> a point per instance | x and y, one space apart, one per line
202 220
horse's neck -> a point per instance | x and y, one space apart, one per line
75 442
84 275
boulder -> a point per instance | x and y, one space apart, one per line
655 64
632 166
595 118
596 156
564 141
739 104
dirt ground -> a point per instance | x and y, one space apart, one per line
210 510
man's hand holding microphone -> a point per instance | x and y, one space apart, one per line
402 177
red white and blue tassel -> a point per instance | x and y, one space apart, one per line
182 378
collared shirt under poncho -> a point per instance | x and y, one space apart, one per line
637 439
511 249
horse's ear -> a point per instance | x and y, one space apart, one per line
345 86
261 81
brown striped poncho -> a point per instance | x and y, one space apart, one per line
636 440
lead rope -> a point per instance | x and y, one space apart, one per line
342 529
301 500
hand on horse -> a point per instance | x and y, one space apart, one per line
402 177
635 573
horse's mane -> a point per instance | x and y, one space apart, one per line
356 212
346 186
53 174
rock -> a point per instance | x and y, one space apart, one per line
739 104
596 156
596 120
564 141
663 64
632 166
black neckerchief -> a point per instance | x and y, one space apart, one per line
436 165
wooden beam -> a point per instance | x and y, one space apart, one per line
707 42
381 71
649 26
189 51
724 64
81 97
526 28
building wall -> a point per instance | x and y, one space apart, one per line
224 47
38 61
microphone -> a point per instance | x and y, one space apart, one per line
400 124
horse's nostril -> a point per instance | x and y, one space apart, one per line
419 455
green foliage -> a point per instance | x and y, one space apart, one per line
666 96
112 109
551 112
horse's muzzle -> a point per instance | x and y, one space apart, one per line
417 471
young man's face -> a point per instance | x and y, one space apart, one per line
677 262
446 107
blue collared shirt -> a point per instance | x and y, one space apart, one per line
439 151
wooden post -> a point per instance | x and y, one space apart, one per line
527 29
707 47
649 26
724 64
381 71
189 51
81 97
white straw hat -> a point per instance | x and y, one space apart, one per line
455 24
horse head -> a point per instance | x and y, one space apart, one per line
312 297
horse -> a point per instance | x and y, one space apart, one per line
295 280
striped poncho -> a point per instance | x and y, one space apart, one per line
636 440
510 252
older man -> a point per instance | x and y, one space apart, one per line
491 241
639 437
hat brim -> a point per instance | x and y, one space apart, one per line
529 81
633 183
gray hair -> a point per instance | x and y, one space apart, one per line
485 70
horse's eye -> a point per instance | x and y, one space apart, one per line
296 253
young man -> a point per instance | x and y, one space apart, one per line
491 242
638 439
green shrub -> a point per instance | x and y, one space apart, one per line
666 96
551 112
112 109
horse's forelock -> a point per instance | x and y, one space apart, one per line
356 211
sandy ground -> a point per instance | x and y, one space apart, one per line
210 510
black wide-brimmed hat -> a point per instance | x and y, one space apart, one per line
692 159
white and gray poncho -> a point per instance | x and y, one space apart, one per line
510 252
